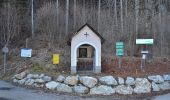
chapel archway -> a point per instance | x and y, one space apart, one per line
86 58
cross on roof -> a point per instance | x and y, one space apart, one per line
86 34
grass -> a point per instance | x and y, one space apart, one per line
37 68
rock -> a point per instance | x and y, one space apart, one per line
121 81
108 80
71 80
122 89
46 78
80 89
38 85
166 77
15 80
41 76
155 87
39 81
88 81
35 76
164 86
130 81
22 81
102 90
29 82
142 85
21 75
29 76
64 88
52 85
156 79
60 78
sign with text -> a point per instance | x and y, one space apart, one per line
26 52
144 41
56 58
119 48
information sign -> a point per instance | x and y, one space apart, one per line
56 58
119 48
144 41
26 52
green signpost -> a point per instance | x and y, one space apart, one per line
119 51
119 48
144 53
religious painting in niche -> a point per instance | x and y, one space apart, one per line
82 52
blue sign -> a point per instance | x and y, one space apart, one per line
26 52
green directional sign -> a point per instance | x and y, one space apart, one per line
119 48
119 52
144 41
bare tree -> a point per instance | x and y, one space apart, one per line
9 27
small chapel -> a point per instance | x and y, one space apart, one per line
86 50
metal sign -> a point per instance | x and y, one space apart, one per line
26 52
119 52
144 52
56 58
144 41
5 50
119 48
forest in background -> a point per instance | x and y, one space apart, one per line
116 20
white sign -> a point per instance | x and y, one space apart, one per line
5 50
144 52
26 52
144 41
143 56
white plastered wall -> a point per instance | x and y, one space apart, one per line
91 39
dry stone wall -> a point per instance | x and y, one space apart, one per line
105 85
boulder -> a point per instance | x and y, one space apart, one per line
122 89
130 81
71 80
142 85
60 78
121 81
52 85
29 82
38 85
80 89
35 76
108 80
29 76
39 81
22 81
156 78
155 87
102 90
41 75
166 77
46 78
164 86
88 81
15 80
21 75
64 88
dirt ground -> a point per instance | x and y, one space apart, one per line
132 67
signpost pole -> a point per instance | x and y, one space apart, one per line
120 62
119 52
5 50
4 63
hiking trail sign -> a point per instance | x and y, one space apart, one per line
119 48
144 41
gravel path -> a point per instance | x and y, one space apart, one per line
11 92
